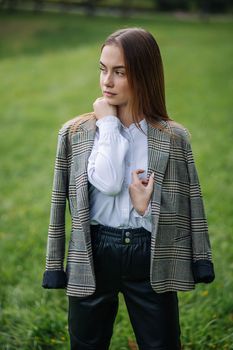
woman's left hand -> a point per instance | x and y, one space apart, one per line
140 191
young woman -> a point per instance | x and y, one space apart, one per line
138 222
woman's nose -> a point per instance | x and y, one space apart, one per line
108 80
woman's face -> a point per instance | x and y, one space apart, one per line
113 80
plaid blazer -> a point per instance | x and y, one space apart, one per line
180 247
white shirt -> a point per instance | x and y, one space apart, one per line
117 151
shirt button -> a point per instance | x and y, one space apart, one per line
127 234
127 240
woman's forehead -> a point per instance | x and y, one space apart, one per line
112 55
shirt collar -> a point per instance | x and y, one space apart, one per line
133 127
143 124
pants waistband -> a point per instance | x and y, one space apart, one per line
119 232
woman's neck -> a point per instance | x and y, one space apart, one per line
125 115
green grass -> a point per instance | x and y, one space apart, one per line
49 74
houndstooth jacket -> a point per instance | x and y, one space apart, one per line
180 247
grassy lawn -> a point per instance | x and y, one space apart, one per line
49 74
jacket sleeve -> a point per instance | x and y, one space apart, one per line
202 266
54 275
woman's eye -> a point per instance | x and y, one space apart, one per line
120 73
102 69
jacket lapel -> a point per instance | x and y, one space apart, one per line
158 153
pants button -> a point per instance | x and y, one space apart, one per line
127 240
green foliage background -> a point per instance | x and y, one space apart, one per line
49 74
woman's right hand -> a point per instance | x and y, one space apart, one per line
102 108
140 191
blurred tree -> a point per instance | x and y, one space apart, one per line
171 5
214 6
38 5
64 5
125 6
205 6
91 6
10 5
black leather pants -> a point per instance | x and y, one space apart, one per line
122 264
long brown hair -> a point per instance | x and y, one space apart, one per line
144 69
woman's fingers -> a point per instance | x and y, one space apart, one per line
135 173
141 190
144 181
151 180
102 108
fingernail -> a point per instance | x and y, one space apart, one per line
153 175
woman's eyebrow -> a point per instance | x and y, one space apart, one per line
115 67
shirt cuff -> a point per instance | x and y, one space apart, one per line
145 215
203 271
108 123
54 279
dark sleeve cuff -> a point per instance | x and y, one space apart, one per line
54 279
203 271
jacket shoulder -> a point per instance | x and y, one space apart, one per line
179 131
72 125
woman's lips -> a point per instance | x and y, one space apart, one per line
109 94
